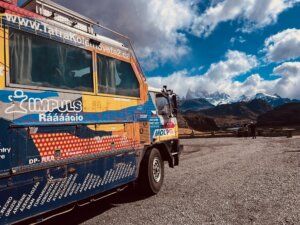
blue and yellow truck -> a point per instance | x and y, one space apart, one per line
77 118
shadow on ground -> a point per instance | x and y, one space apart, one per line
80 214
293 151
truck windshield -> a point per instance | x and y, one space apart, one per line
38 61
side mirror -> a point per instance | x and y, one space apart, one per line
174 105
175 111
162 112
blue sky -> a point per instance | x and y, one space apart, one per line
231 46
205 51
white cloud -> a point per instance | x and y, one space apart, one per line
235 64
254 13
289 83
158 28
286 85
283 46
254 84
219 76
152 25
178 81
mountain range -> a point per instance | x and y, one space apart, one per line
234 114
195 101
202 114
215 98
195 104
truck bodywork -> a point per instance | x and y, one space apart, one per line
59 143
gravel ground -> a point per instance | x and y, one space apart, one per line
219 181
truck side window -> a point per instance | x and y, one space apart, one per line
38 61
116 77
163 105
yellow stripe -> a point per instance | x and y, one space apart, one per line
2 58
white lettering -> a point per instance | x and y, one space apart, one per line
163 132
5 150
69 36
37 105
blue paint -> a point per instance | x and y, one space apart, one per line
90 178
4 143
26 197
127 115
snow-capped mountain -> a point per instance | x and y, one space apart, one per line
274 100
242 98
265 96
218 98
215 98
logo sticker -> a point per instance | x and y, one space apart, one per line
153 113
163 132
38 105
18 96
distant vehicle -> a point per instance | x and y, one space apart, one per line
237 131
77 117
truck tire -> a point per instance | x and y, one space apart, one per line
151 172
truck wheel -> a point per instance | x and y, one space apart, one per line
151 172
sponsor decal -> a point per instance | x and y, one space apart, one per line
4 152
33 161
51 110
153 113
140 108
163 132
63 118
65 35
143 116
169 125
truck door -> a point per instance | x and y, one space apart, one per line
167 120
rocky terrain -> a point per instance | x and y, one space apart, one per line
199 122
226 115
269 110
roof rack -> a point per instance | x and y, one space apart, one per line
67 17
60 14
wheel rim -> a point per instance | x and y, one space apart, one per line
156 169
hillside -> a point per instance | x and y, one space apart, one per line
285 115
194 104
246 110
199 122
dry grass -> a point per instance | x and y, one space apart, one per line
188 131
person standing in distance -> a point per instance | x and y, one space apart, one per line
252 127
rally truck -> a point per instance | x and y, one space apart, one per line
77 118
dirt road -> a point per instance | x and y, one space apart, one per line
219 181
